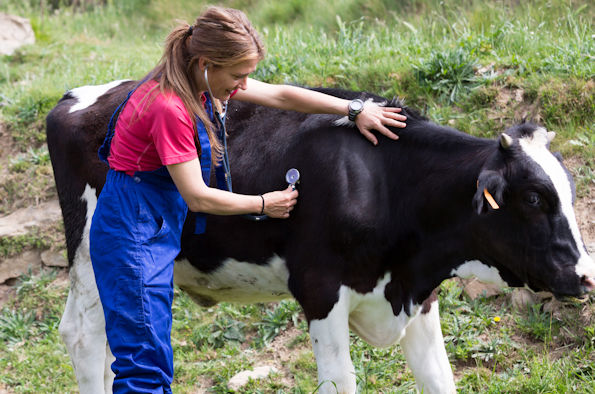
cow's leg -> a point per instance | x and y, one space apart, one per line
424 350
108 374
83 331
330 342
82 327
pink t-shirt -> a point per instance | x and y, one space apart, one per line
151 132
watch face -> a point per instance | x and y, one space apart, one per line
356 105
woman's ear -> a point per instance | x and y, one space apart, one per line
202 63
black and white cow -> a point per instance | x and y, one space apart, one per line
376 229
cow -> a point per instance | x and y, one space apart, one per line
375 231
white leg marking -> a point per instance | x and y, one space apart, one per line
87 95
330 342
481 271
108 376
424 350
371 316
536 149
82 327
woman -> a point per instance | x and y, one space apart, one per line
155 176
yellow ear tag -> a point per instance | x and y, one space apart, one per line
490 199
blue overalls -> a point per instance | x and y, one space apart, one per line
135 236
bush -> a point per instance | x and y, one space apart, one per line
450 74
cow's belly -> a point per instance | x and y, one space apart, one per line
234 281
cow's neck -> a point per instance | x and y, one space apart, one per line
447 173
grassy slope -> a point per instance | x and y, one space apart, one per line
475 65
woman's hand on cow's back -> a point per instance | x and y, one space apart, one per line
278 204
375 117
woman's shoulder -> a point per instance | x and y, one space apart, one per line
157 100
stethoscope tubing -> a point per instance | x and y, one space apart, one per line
225 159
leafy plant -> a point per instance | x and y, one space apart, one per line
449 74
10 246
538 323
16 326
33 157
277 319
222 331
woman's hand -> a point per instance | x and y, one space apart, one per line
278 204
375 117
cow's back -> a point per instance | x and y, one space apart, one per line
75 129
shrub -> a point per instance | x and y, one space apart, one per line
450 74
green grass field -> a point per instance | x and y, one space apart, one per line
479 66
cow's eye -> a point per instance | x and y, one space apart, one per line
533 199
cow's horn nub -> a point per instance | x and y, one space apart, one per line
505 141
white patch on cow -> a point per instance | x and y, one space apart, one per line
88 95
535 148
344 121
82 326
370 315
481 271
235 281
330 344
423 346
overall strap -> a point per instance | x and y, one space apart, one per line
205 147
206 162
205 151
104 150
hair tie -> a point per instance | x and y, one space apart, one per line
190 29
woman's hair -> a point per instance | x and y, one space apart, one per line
224 37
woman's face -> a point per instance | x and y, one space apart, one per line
224 80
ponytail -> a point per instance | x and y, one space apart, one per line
222 36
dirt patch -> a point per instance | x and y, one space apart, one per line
514 98
280 353
26 178
584 207
7 150
6 293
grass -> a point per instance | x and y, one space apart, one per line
492 346
446 59
33 358
37 238
475 65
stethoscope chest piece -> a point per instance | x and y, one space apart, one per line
292 176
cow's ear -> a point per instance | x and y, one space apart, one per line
490 191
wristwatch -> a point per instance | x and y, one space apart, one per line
355 107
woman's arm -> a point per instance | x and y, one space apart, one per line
201 198
373 117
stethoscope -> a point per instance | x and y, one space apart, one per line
292 176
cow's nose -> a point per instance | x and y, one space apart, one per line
587 283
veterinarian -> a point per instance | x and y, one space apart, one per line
158 139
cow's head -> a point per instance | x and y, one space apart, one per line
525 224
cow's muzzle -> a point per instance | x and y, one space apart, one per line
587 284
